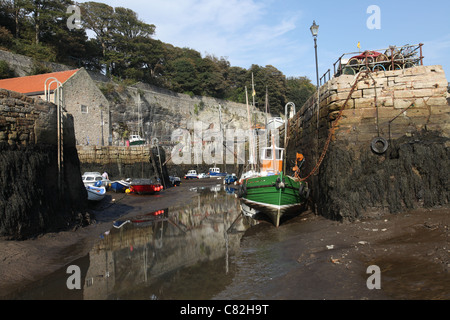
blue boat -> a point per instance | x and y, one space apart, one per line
119 186
215 172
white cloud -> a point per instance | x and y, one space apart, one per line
244 31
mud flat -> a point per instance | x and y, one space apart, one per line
331 258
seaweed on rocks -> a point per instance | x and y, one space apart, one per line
29 201
413 172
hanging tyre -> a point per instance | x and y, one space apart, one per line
280 184
379 145
242 190
303 191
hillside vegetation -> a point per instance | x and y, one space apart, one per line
124 49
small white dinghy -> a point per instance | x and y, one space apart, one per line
95 193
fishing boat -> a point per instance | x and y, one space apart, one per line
120 185
94 179
95 193
215 172
272 192
192 174
145 186
136 140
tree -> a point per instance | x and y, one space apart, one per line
299 90
183 75
5 71
98 17
211 79
127 24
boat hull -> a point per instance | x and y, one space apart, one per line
145 187
137 143
274 195
119 186
215 174
95 193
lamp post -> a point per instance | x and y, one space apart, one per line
314 31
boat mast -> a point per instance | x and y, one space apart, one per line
250 127
221 132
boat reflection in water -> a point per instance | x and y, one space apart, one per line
175 253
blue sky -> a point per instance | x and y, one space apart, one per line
276 32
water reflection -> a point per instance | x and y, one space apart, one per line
146 256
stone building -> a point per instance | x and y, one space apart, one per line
81 98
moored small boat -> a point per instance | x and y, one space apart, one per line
95 193
271 192
215 172
120 186
274 195
145 186
136 140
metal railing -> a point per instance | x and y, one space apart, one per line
392 58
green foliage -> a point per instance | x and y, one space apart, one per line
39 68
299 90
5 71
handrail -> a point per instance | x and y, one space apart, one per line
397 57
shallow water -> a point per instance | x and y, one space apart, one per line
185 252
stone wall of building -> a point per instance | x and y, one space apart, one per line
30 200
89 108
409 110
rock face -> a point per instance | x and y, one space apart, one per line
412 173
157 113
30 202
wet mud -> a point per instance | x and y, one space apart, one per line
307 257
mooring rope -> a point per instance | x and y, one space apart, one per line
333 128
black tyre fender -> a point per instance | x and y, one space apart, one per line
301 189
306 196
379 145
280 184
242 191
277 183
304 191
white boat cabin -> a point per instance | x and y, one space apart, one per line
214 170
271 160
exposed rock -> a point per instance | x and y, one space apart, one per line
413 173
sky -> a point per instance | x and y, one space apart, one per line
277 32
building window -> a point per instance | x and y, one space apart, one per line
84 109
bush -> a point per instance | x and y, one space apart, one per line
39 68
5 71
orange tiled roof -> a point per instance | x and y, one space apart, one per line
35 84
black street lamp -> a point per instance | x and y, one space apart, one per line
314 31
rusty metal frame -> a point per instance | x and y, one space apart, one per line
412 49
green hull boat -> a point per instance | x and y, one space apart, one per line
274 195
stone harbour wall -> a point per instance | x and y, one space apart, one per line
30 201
125 162
409 110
